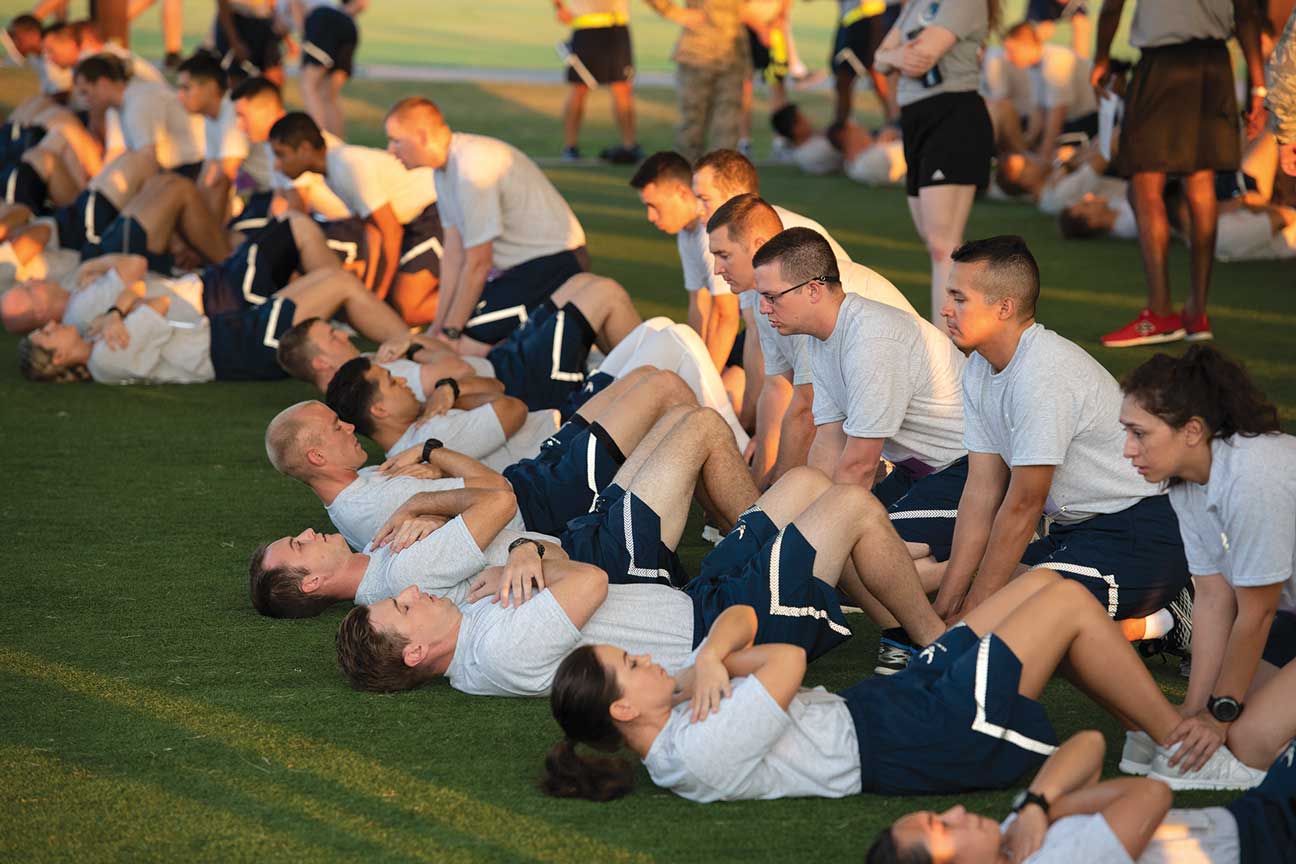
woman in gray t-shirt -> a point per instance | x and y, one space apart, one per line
948 139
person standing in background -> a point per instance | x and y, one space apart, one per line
1281 98
861 26
1181 118
600 41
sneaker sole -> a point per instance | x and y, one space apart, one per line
1184 784
885 670
1138 769
1200 336
1158 339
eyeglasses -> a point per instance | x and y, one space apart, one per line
770 298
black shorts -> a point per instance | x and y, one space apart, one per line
1181 112
562 483
1085 123
191 170
1053 10
622 535
244 344
771 60
126 236
262 42
863 38
330 40
543 361
1280 647
20 184
17 140
948 140
346 237
255 214
421 243
260 266
606 53
81 222
508 299
1266 815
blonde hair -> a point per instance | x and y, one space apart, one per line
37 364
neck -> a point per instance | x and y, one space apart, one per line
826 323
1197 467
344 582
318 163
437 664
999 349
330 482
387 431
640 734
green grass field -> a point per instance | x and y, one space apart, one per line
146 713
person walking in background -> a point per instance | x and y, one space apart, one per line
948 139
1181 118
713 59
861 26
600 49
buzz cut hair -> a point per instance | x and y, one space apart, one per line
744 215
802 254
257 88
295 129
420 104
734 172
1011 270
204 66
664 165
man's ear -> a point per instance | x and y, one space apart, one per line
320 363
413 654
311 583
378 411
622 711
315 457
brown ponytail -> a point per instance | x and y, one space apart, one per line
1203 383
581 696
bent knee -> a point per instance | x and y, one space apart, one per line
804 481
671 389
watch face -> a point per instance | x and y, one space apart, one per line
1225 710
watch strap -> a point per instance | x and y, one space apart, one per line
428 446
454 386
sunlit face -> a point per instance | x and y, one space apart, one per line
733 260
331 439
421 619
310 550
256 117
394 395
331 343
953 837
709 194
786 310
642 683
671 206
1094 209
1152 445
198 96
292 162
1022 52
417 144
61 340
30 305
968 314
98 95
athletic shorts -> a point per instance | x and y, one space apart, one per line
421 243
17 140
260 266
863 37
191 170
1053 10
1085 124
260 38
255 214
125 235
346 237
606 53
1133 561
560 439
543 361
508 299
771 61
80 223
595 384
947 140
1181 112
1233 184
622 535
330 40
772 571
563 482
244 343
735 357
1266 815
20 184
1280 648
925 512
952 721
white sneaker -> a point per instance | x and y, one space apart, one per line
1222 771
1138 754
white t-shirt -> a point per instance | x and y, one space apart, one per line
1053 404
1247 236
94 299
225 140
699 264
1071 188
151 115
361 508
478 433
883 164
752 749
322 200
1126 225
412 373
1062 78
1206 835
1242 521
1002 81
366 178
171 350
493 192
891 375
515 650
816 155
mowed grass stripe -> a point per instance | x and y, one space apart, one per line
357 774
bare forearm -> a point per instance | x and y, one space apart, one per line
1108 23
373 259
1014 525
723 330
391 246
1213 614
471 284
446 504
1075 765
732 631
1241 655
971 534
475 475
858 471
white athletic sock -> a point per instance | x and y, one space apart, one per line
1157 624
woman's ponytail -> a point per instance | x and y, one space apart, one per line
1202 383
581 696
570 774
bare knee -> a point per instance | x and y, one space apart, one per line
1071 596
668 389
803 482
857 500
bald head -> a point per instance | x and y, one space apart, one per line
291 433
29 306
417 133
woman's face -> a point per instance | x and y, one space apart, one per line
644 685
1156 449
61 340
953 837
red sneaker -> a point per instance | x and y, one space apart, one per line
1197 329
1146 329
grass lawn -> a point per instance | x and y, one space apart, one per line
146 713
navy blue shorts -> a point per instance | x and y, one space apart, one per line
1053 10
595 383
925 513
863 37
346 237
772 571
329 39
556 443
260 38
125 235
255 214
191 170
563 482
20 184
507 300
543 361
260 266
1280 648
81 223
1266 815
1133 561
953 721
17 140
421 243
623 536
244 344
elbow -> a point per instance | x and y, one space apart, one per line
512 413
503 503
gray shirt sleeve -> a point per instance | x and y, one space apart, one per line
149 334
519 654
440 561
1202 548
1080 840
1259 545
724 748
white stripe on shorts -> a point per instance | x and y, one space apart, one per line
270 340
1113 590
556 373
984 726
777 608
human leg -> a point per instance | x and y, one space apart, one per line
623 112
694 93
1203 211
726 107
604 303
312 90
334 118
574 113
945 210
1268 722
312 245
1147 189
322 293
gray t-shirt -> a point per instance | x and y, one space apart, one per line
889 374
1170 22
752 749
1053 404
698 262
361 508
515 650
95 297
817 155
1062 78
1003 81
1207 834
366 179
960 67
171 350
478 433
1242 522
442 563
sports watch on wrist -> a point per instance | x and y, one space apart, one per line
428 446
413 349
452 332
1225 709
454 386
522 541
1026 797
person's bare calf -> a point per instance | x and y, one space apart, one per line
323 293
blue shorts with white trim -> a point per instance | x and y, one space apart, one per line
244 344
1133 561
421 243
126 236
1266 815
507 300
926 512
255 214
260 266
623 536
595 383
80 223
563 482
772 571
543 361
329 39
953 721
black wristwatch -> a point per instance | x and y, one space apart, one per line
428 446
1225 709
522 541
452 332
1026 797
412 350
454 385
117 309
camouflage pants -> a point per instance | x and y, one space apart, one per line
710 107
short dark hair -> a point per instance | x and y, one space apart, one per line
1012 269
295 351
784 120
371 659
662 165
350 394
101 66
801 253
295 129
735 171
203 66
1074 225
253 88
742 213
276 591
59 28
885 850
29 23
1022 30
